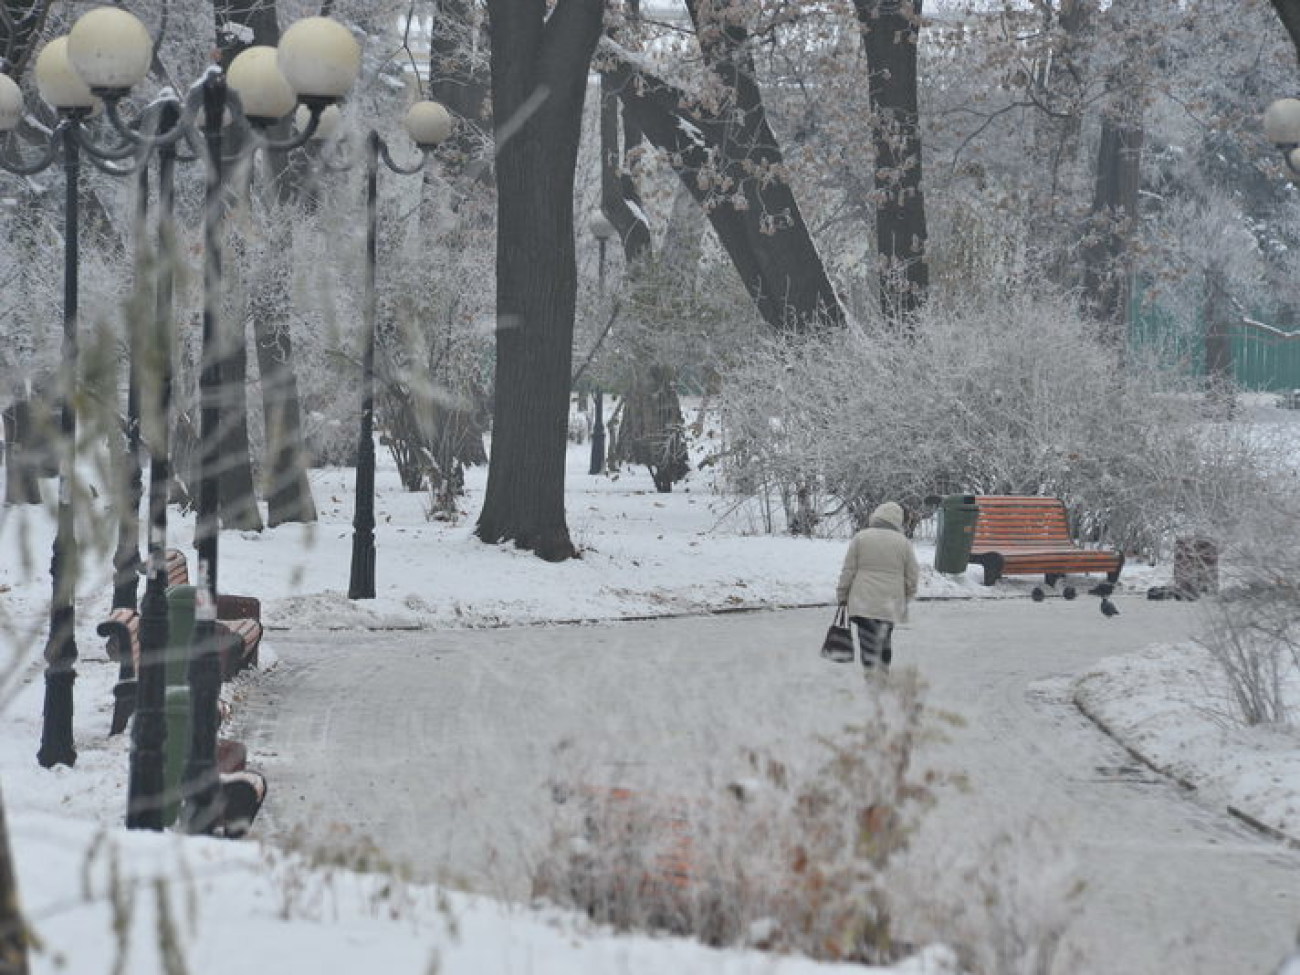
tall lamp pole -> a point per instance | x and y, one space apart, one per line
316 63
602 230
65 91
427 123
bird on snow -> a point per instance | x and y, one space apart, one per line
1102 589
1108 608
1037 594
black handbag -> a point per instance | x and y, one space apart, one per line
838 645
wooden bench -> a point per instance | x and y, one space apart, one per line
238 633
239 627
1026 535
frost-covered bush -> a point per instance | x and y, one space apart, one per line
1253 630
992 396
783 858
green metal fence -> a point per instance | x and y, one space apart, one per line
1265 358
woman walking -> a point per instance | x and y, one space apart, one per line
878 579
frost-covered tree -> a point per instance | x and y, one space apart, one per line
719 141
890 35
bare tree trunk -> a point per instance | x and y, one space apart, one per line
458 80
539 80
652 431
717 154
890 31
620 199
1288 11
238 493
1106 282
288 489
13 928
1219 375
235 21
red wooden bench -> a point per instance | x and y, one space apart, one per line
238 622
1026 535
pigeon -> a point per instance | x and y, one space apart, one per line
1108 608
1069 592
1102 589
1037 594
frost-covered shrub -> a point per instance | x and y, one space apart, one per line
1253 630
1008 396
784 858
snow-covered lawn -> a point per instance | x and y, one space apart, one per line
644 554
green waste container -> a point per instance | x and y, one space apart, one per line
180 622
957 516
176 750
176 707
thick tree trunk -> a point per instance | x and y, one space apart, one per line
620 199
1218 333
730 162
652 431
459 81
288 489
1106 282
238 494
890 30
1288 11
1060 90
240 24
539 80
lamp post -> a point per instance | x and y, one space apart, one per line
602 230
427 123
316 63
61 87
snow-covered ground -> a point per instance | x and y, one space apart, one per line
86 883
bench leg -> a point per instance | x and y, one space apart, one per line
1113 577
124 692
992 564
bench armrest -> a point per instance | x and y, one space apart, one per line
118 630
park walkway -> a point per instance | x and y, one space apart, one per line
442 747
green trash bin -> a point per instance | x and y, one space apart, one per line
180 623
957 516
180 633
176 750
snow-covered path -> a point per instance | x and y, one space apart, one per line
1172 884
441 747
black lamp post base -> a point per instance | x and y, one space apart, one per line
361 584
598 436
57 747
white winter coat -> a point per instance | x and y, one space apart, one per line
880 572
